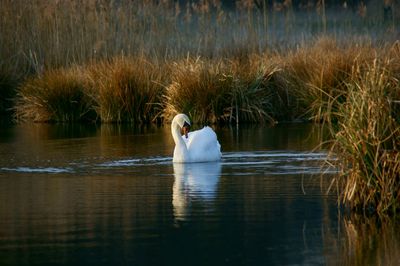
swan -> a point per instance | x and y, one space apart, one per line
197 146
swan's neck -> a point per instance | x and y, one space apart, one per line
180 151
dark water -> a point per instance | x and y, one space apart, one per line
110 195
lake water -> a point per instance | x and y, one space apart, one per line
110 195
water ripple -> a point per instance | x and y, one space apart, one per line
278 162
52 170
137 162
262 162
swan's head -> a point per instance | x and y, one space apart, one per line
183 122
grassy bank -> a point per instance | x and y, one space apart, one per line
313 82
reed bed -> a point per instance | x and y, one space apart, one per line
198 88
126 89
310 83
367 140
57 95
222 91
259 92
119 90
43 34
317 75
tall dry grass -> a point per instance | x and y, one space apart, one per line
198 88
57 95
43 34
119 90
367 139
318 75
230 91
126 89
310 83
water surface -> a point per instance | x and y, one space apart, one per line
101 195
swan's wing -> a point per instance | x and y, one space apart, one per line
201 139
203 145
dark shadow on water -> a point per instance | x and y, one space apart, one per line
289 136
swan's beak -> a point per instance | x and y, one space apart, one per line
185 129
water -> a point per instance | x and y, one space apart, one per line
102 195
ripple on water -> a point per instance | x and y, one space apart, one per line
54 170
267 162
279 162
137 162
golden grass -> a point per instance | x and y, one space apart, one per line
367 140
308 83
57 95
42 35
120 90
198 88
223 91
126 89
318 75
257 95
45 34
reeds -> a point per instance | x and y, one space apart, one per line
133 89
367 139
42 35
126 89
57 95
318 75
119 90
310 83
222 91
45 34
198 88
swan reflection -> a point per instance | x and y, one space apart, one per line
194 182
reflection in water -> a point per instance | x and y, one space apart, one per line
366 241
194 181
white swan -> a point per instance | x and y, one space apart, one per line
197 146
